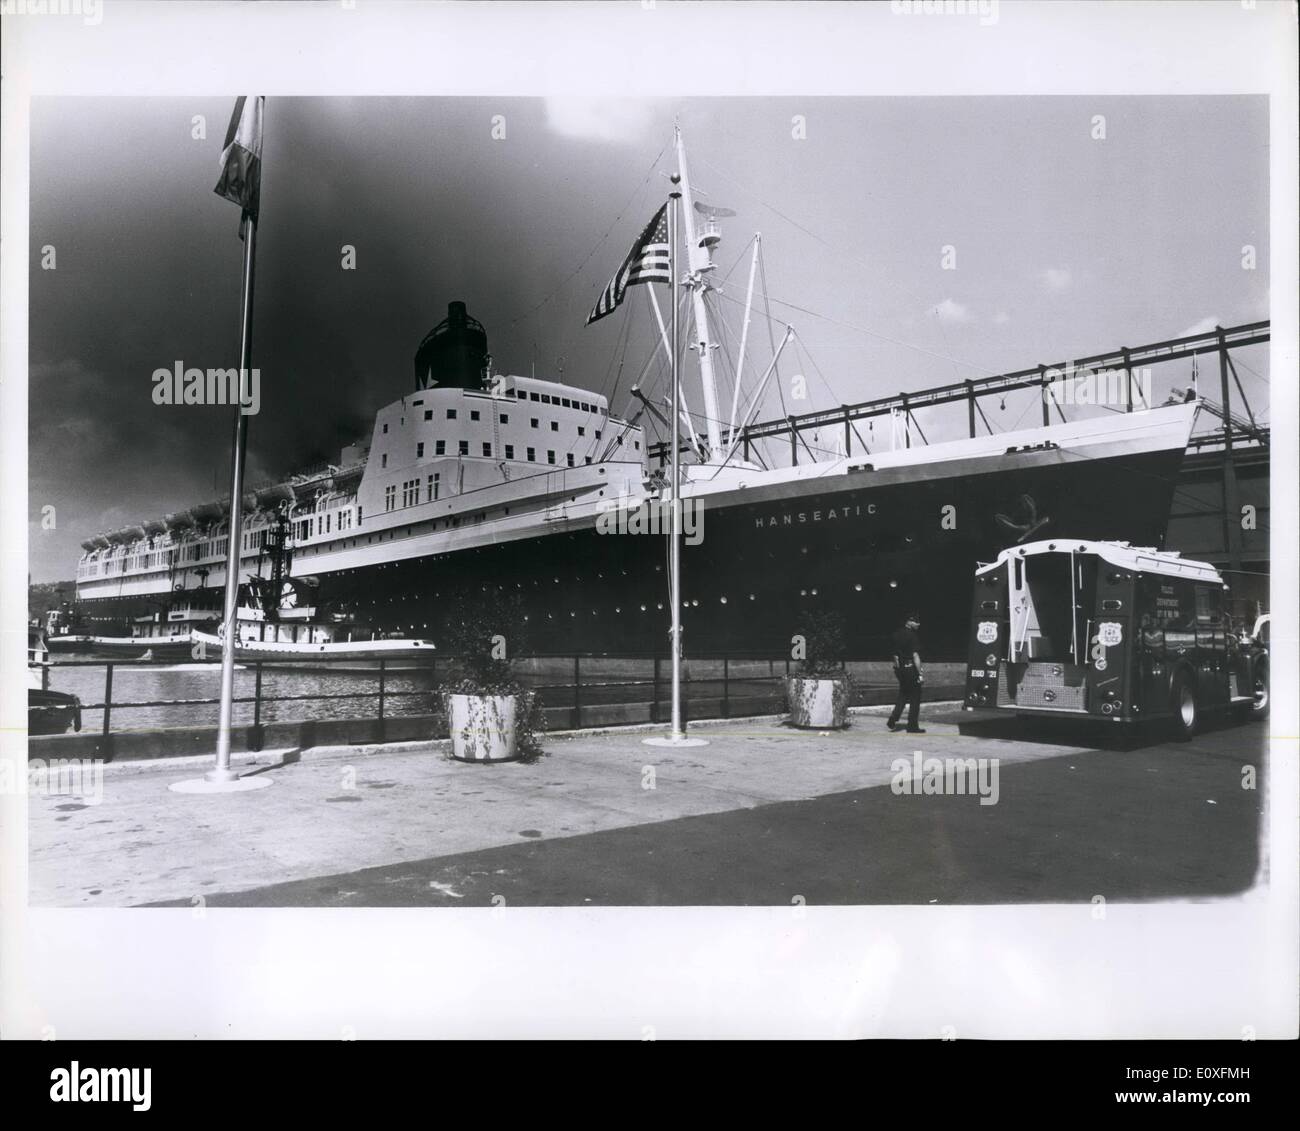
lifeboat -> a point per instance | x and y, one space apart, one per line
180 520
207 512
270 497
347 479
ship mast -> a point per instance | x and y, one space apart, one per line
699 256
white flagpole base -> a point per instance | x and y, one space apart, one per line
210 783
674 740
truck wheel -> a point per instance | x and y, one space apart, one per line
1259 708
1185 709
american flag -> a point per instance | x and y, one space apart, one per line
647 262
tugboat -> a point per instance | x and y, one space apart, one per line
281 619
64 632
48 712
283 622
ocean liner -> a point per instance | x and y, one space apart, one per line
481 481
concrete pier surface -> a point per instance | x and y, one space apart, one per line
763 815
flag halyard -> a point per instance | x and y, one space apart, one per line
647 262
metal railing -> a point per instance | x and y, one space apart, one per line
1220 340
569 681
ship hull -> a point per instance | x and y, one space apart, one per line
867 547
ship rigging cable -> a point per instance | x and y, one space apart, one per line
839 252
599 243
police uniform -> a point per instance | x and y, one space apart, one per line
906 644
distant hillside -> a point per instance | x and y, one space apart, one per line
45 595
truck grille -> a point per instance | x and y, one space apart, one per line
1042 686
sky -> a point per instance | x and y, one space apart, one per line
1063 244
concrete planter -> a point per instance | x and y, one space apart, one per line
482 727
818 703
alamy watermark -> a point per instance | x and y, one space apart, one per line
625 515
60 777
1071 386
192 386
986 10
90 11
946 776
75 1084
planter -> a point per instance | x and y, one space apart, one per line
483 727
818 703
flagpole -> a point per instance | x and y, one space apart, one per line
677 734
230 625
675 547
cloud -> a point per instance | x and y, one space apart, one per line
600 119
1001 318
952 312
1205 326
1056 279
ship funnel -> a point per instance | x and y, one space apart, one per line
454 354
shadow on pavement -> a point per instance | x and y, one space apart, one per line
1094 734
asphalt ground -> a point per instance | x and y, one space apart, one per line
762 816
1164 821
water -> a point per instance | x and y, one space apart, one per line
297 696
287 696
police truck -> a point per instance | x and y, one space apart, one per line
1109 631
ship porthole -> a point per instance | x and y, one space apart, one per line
893 584
858 587
723 600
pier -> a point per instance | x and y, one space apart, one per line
764 817
1226 468
1220 342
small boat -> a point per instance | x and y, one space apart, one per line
178 646
70 642
63 630
331 655
48 712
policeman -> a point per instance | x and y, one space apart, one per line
907 670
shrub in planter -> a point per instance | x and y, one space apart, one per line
818 694
490 715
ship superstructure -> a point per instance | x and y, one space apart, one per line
480 480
